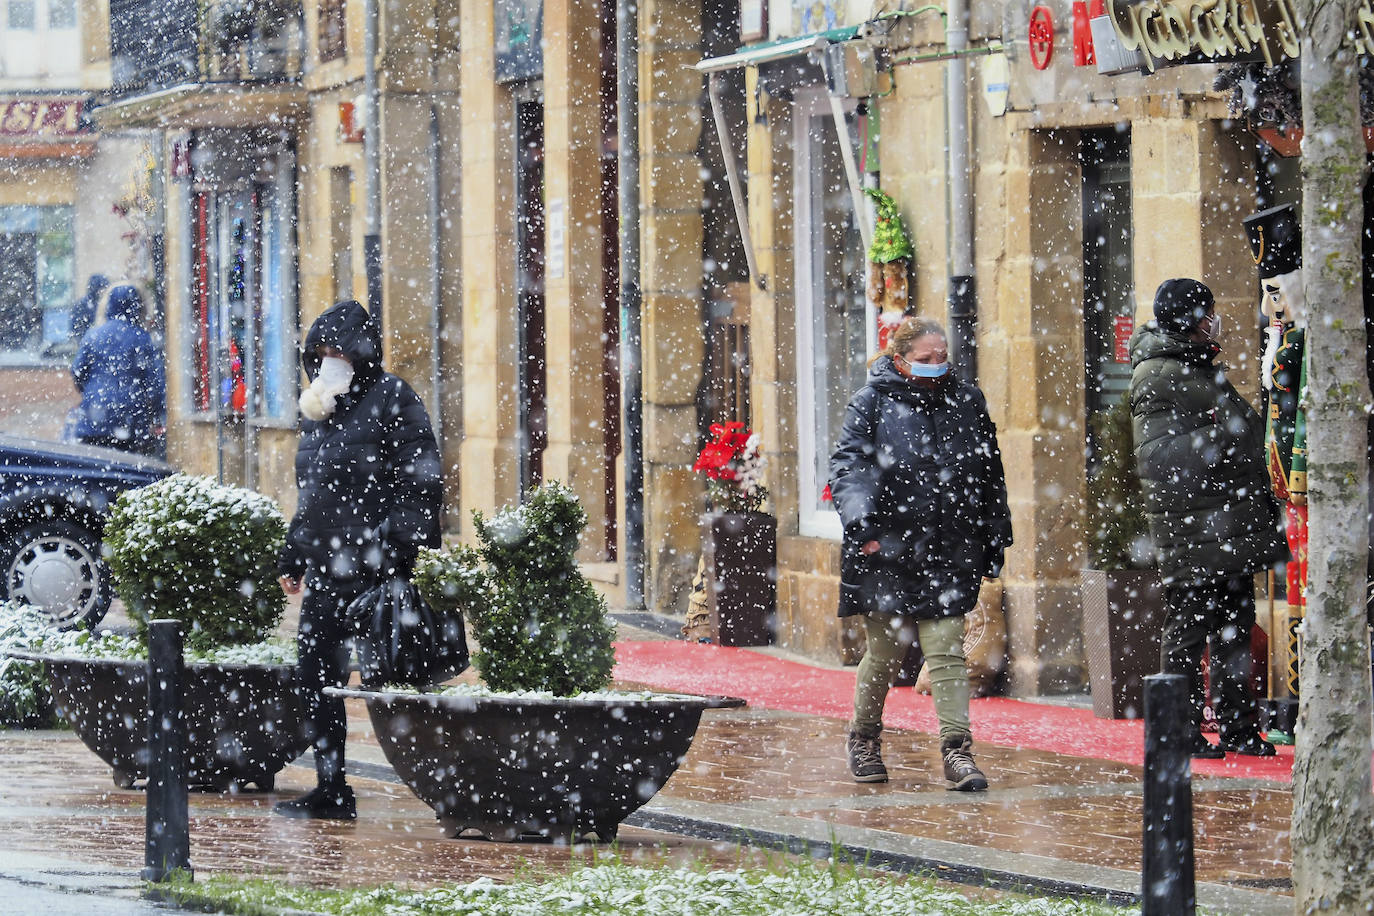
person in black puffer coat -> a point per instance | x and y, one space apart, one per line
1199 450
370 484
918 482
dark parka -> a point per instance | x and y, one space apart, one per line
368 474
918 469
1199 449
119 372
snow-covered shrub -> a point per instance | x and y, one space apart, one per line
1115 514
24 697
453 580
544 627
191 549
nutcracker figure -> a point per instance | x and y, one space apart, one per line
1276 244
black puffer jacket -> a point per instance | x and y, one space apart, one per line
369 474
1199 450
918 469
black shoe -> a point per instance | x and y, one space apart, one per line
334 803
1252 746
959 769
865 758
1202 749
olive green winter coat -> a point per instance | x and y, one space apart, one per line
1199 449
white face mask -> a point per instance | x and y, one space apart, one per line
334 378
1211 326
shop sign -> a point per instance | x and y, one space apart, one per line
1218 30
1122 329
45 119
1041 37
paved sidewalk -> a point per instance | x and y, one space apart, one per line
772 778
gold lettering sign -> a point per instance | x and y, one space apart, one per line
1220 29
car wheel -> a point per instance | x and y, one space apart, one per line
56 565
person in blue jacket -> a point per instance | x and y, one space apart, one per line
119 372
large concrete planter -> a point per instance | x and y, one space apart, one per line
243 722
511 767
1123 620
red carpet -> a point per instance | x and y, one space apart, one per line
774 683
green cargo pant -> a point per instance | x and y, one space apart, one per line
889 639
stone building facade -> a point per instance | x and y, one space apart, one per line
501 249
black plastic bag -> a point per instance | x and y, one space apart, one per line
401 640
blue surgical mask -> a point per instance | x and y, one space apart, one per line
927 370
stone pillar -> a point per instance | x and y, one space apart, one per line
1037 360
1192 182
489 349
673 338
573 306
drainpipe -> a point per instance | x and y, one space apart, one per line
963 303
436 277
372 163
631 296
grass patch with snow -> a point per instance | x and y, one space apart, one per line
626 890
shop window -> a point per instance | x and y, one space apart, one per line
37 249
243 308
832 318
332 29
1108 268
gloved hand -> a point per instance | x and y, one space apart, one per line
993 560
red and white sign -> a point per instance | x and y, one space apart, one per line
1123 328
42 119
1041 37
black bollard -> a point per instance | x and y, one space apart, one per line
1167 880
167 844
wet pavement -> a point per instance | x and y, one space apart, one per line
769 779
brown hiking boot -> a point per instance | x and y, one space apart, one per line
959 768
865 758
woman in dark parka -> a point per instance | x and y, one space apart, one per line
1199 449
368 473
917 479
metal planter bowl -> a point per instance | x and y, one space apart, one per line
513 767
243 722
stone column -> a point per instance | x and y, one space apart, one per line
673 338
573 306
489 350
1036 360
1192 182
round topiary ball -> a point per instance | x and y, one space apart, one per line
190 549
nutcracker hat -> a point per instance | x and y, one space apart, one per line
1275 240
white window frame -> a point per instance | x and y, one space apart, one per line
808 105
42 52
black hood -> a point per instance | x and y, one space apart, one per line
885 378
351 329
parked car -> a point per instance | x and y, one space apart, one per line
54 500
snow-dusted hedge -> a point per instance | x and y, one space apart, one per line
801 890
191 549
539 624
24 696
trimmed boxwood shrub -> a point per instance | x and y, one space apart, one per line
191 549
542 627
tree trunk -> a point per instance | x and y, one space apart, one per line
1333 834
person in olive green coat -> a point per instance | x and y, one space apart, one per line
1199 449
